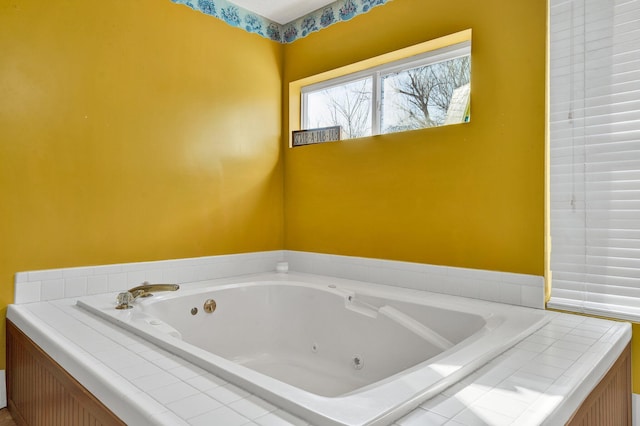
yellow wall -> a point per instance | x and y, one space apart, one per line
133 131
468 195
124 138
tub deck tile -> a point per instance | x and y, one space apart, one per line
253 407
513 388
222 416
280 418
421 417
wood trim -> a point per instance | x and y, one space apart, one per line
610 401
41 393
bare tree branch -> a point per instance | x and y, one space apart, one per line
425 92
350 108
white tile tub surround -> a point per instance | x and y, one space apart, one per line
502 287
541 380
54 284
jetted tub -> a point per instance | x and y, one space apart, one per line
334 352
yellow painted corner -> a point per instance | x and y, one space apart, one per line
470 195
635 357
123 139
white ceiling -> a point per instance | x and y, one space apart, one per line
282 11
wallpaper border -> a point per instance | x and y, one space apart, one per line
338 11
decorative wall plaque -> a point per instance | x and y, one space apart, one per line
311 136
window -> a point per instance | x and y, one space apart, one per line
427 90
595 157
347 105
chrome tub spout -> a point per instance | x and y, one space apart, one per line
144 290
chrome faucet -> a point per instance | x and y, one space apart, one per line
125 298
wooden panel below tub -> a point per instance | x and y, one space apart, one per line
610 402
41 393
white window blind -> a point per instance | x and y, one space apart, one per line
595 156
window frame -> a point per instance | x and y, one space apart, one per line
377 73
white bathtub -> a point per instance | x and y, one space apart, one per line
334 352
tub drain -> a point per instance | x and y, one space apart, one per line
357 362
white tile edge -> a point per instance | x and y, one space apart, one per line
494 286
635 409
526 290
562 412
29 286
